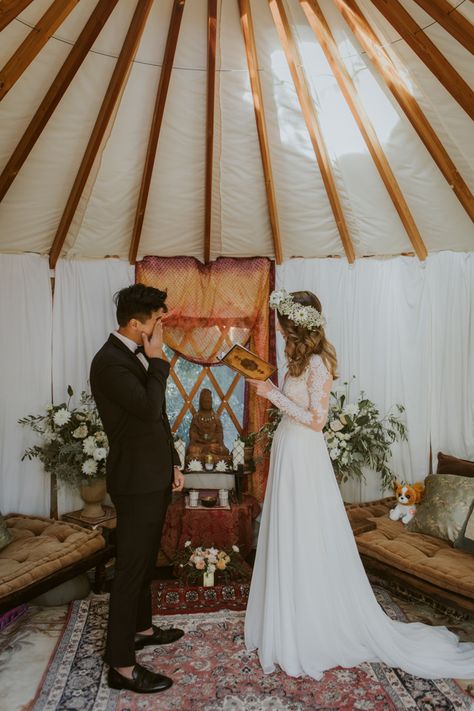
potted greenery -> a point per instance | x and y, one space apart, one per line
357 436
74 447
249 441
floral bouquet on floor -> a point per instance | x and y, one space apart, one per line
201 563
73 444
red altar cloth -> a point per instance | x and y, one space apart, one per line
217 527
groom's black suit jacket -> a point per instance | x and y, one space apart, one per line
132 406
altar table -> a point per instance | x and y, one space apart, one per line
218 527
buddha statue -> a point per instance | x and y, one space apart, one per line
206 436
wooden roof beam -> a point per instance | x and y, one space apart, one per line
161 95
420 43
211 86
309 114
55 92
451 20
382 62
257 94
321 29
112 97
10 9
34 43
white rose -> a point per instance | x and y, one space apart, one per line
236 549
80 432
89 467
61 417
212 559
100 453
336 425
334 453
351 410
213 551
89 445
211 568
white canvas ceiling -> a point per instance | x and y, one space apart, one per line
173 223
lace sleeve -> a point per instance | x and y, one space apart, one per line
319 383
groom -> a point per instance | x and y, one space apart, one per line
128 381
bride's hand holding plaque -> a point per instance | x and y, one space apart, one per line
262 387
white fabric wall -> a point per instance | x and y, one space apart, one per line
405 330
83 317
25 378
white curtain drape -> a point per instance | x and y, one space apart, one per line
83 317
25 378
405 330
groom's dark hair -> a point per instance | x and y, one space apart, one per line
138 301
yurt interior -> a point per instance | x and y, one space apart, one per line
237 367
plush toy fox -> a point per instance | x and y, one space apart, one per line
408 495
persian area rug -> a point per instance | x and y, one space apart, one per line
213 671
170 597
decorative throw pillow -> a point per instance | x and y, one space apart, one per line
465 540
453 465
445 505
5 534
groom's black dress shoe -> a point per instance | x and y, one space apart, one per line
144 681
158 637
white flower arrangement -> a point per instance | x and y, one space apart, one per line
73 445
355 433
195 465
357 436
221 466
305 316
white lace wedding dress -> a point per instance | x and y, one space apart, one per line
311 606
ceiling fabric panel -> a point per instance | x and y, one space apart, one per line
173 222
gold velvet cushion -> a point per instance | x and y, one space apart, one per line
445 506
448 464
430 559
465 540
5 535
40 547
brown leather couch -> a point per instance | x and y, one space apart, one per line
414 560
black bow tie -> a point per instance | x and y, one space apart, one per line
140 349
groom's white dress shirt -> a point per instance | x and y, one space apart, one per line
132 346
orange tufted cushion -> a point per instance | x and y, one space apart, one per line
426 557
40 547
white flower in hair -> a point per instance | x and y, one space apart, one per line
306 316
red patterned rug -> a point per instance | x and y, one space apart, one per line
213 671
170 597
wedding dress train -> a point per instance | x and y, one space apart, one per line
311 606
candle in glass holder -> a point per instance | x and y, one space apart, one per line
209 462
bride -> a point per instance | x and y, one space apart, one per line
311 606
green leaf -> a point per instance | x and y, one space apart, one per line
70 391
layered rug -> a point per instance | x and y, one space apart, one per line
212 670
170 597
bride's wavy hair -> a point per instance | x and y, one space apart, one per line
301 343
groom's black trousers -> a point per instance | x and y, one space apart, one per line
140 519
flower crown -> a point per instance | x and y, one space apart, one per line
306 316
